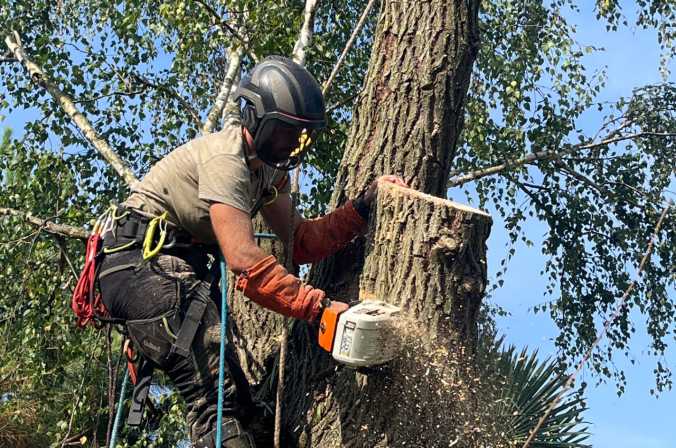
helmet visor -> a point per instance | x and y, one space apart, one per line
281 144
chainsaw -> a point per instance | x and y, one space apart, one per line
362 335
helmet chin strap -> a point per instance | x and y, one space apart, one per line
250 153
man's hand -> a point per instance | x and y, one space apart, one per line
370 193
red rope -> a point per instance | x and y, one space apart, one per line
86 302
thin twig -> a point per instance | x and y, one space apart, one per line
225 26
116 93
545 155
72 412
173 93
62 246
618 309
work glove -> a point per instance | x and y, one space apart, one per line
270 285
315 239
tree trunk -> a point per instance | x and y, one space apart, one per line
423 253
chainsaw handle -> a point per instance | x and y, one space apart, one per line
329 323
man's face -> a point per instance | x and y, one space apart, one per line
283 140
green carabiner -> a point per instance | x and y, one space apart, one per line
161 221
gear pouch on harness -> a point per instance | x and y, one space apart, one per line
154 337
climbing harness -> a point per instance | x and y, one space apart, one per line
123 230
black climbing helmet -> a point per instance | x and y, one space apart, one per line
281 98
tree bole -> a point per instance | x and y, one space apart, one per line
422 252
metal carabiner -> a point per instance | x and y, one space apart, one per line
158 221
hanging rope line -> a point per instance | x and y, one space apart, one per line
120 406
348 45
606 326
221 358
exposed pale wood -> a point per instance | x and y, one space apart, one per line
306 31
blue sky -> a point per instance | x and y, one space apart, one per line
636 419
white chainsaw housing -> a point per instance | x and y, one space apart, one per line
364 335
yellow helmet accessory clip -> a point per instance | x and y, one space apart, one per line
304 141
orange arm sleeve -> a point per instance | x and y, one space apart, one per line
315 239
270 285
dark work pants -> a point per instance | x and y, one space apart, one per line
160 287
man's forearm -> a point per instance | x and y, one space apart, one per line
315 239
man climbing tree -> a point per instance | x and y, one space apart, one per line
206 192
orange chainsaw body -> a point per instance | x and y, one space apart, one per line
327 329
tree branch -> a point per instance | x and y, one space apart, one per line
545 155
620 304
225 90
225 26
348 45
47 225
305 35
13 42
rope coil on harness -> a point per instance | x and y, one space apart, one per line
86 301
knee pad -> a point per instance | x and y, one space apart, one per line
232 436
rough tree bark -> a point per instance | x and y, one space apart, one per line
423 253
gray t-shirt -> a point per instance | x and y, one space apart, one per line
204 171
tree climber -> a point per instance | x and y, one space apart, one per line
155 273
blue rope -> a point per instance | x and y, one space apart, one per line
224 319
221 359
118 414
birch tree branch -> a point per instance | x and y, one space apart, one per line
13 42
225 90
306 32
348 45
230 111
548 154
47 225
